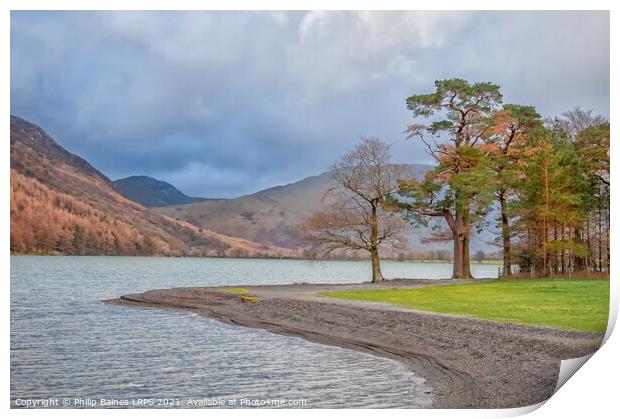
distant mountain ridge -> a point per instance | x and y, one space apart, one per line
152 192
270 216
62 204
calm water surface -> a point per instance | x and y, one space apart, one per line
65 343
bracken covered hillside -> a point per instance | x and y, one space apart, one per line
61 204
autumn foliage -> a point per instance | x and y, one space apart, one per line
61 204
44 221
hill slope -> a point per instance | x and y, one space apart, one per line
60 203
269 217
152 192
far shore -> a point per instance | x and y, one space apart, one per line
467 362
473 263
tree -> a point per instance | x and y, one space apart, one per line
458 188
576 120
551 204
511 126
479 256
364 180
592 145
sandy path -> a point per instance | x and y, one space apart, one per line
467 362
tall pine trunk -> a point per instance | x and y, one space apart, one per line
545 231
460 236
563 250
457 264
556 255
507 271
466 256
600 231
589 245
607 236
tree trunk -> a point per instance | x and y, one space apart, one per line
507 270
460 235
466 256
589 245
563 250
579 260
600 231
607 229
569 252
374 252
555 254
457 264
545 223
377 276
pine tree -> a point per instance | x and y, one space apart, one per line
511 126
458 188
551 203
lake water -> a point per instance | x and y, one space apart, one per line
66 344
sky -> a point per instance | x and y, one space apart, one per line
222 104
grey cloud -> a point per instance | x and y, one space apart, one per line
225 103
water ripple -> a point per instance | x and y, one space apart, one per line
66 343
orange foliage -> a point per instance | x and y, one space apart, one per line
44 221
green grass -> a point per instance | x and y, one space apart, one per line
580 304
235 290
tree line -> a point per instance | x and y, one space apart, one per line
547 179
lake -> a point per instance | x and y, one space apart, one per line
67 344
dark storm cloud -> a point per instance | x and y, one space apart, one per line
225 103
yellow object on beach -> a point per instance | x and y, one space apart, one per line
247 299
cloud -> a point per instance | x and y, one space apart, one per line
225 103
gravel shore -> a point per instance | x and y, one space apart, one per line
468 363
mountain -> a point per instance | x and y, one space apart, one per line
152 192
62 204
270 216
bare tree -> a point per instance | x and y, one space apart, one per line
355 219
576 120
479 256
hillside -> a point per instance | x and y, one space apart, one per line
152 192
62 204
269 217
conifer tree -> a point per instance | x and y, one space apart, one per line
458 188
511 126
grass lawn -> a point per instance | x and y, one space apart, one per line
580 304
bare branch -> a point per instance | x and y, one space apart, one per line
363 180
